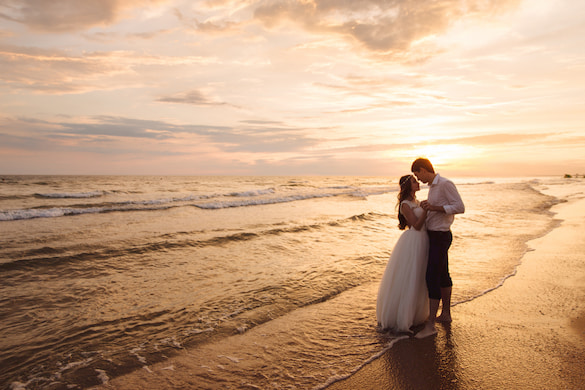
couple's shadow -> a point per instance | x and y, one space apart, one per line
428 363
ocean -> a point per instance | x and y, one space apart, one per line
267 282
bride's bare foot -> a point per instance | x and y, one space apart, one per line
427 331
444 318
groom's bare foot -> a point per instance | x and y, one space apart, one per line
427 331
444 318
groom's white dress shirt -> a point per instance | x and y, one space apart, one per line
442 192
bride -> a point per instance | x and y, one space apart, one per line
402 295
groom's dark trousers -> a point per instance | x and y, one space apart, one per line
438 267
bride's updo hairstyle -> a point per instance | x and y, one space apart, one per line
405 192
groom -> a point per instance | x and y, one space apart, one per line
442 203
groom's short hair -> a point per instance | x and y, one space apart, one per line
422 163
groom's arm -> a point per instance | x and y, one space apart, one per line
454 202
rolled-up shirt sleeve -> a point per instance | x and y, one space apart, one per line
454 202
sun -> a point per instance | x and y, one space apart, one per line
446 154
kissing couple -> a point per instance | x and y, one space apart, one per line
417 278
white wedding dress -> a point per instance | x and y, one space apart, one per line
402 296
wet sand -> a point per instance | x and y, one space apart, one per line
527 334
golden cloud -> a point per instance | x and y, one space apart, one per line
68 15
379 25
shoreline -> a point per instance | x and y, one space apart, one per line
528 333
497 340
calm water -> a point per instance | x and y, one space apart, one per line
102 275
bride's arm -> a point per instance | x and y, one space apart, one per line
413 221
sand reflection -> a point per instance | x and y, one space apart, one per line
428 364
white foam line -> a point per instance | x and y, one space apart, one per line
500 284
91 194
338 378
556 224
102 376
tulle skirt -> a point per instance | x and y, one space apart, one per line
402 296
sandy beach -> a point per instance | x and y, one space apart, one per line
529 333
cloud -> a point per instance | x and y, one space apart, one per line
11 143
270 139
493 139
487 140
261 122
61 71
379 25
104 125
110 37
54 71
207 26
112 126
192 97
329 165
67 15
254 137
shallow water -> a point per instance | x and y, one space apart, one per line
103 275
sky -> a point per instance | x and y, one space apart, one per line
292 87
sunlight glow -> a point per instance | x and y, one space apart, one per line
446 155
291 87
